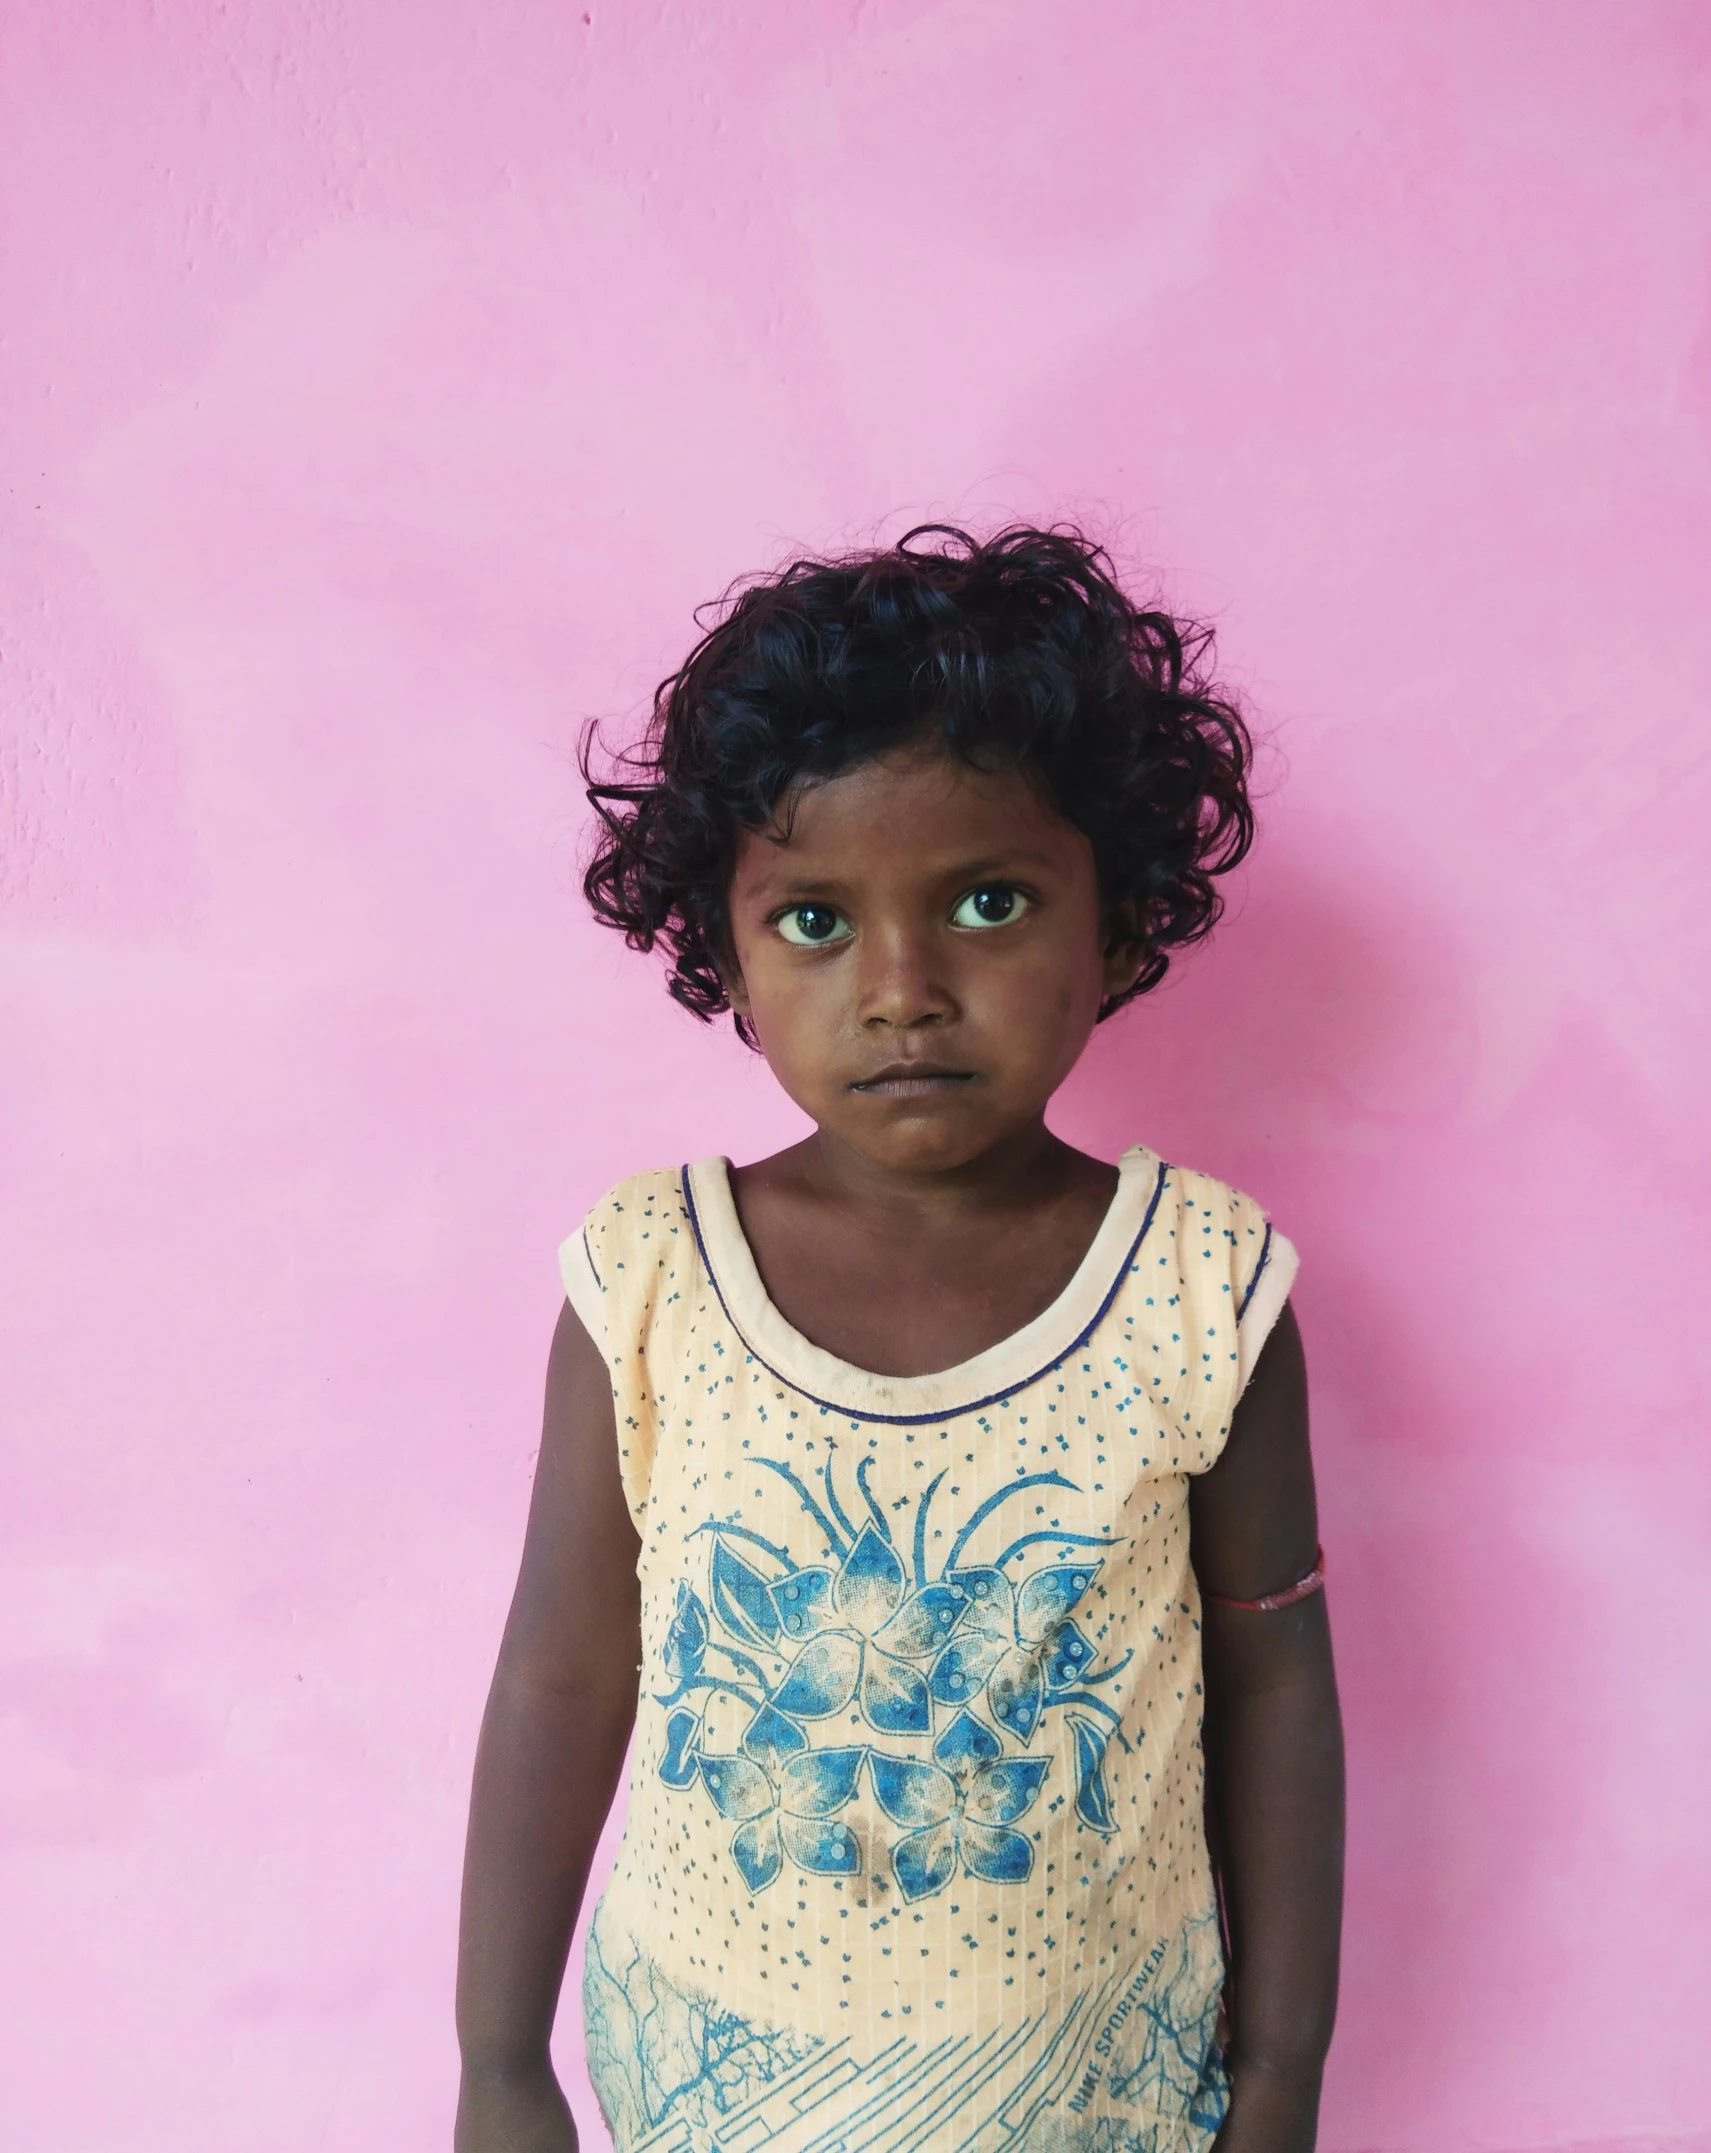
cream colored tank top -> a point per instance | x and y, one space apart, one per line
914 1854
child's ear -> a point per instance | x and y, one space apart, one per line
1125 951
735 986
721 947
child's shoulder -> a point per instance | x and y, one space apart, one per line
639 1206
1226 1251
1211 1209
640 1231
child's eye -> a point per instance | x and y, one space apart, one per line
811 926
994 904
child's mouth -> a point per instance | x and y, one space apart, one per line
911 1080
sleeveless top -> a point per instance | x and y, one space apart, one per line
914 1855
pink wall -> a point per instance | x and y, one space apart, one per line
382 384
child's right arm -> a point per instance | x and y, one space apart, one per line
552 1746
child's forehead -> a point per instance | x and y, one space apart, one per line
923 808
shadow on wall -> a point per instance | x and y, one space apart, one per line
1324 1053
1325 1012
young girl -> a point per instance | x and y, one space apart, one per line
931 1498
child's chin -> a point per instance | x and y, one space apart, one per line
935 1132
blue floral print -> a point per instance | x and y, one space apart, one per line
796 1810
864 1632
963 1807
905 1651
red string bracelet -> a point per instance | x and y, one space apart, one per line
1302 1589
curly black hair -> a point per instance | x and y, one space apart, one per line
1016 651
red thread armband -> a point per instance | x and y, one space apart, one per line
1302 1589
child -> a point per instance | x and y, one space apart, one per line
916 1468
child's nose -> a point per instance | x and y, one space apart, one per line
903 979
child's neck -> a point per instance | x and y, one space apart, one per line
908 1269
1026 1168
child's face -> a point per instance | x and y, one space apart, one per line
923 960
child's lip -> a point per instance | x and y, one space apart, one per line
903 1079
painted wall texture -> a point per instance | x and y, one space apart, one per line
382 384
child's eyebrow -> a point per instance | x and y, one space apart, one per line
1020 861
777 887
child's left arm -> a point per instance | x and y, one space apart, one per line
1274 1756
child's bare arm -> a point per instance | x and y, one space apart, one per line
552 1745
1274 1757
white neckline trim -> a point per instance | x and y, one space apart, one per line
1002 1369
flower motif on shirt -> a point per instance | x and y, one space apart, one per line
686 1638
793 1809
871 1636
960 1809
863 1629
1018 1644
